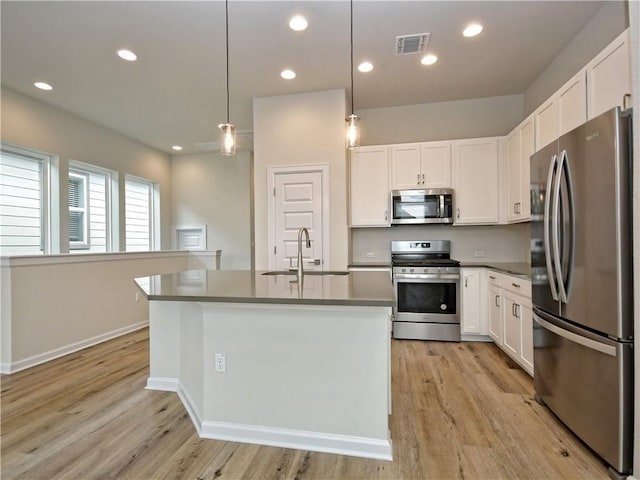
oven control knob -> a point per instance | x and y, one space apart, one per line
404 270
411 270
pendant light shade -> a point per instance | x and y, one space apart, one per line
228 139
227 130
353 131
353 127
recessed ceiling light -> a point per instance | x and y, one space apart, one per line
43 86
288 74
298 23
365 67
429 59
127 55
472 30
177 148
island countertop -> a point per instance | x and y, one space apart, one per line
249 286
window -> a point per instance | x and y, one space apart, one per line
140 203
23 201
89 208
78 211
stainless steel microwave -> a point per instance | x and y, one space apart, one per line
433 205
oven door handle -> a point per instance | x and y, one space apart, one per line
427 277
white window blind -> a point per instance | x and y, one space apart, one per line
96 221
138 210
78 211
22 204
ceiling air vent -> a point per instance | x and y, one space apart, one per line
416 43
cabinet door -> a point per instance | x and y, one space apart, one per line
527 148
546 120
370 187
436 164
495 313
471 315
514 174
572 103
609 76
405 166
476 180
511 326
526 338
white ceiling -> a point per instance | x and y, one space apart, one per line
175 92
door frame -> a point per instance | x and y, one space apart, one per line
323 169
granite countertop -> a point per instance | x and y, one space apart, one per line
521 269
246 286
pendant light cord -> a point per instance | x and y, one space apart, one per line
351 5
226 29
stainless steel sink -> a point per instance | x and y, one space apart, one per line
307 272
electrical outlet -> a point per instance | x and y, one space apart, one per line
370 254
138 296
479 253
221 362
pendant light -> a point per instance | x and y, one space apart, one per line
353 129
227 130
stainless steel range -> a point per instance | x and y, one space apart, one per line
426 282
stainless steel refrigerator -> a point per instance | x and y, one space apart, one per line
581 238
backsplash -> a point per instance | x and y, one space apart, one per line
497 243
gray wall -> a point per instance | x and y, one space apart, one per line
209 188
473 118
609 22
31 123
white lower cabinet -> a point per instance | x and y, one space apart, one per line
510 317
473 314
495 301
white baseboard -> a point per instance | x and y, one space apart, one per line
165 384
272 436
14 367
298 439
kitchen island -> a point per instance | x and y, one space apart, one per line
262 358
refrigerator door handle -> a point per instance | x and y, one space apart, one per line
575 338
557 261
547 219
565 277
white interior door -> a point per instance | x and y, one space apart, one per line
297 202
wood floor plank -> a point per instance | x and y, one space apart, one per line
460 411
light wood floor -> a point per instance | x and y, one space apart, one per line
459 411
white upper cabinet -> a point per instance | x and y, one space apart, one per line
406 171
520 147
609 76
421 165
476 169
370 187
546 123
564 111
572 103
436 164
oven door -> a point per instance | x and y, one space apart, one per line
427 298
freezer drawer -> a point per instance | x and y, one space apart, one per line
587 381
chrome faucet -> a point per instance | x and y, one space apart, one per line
300 267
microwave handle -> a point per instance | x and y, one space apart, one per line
441 212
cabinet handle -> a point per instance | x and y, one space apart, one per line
418 179
497 300
423 178
386 215
516 285
518 311
458 213
492 277
513 310
466 281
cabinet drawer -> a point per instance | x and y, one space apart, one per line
517 285
494 278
